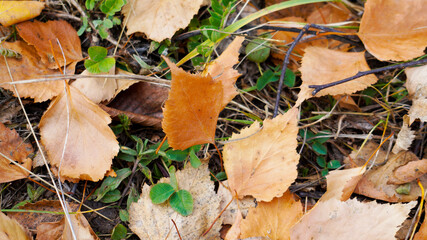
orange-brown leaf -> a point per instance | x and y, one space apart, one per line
13 147
12 12
195 101
394 29
322 66
262 162
91 144
28 67
272 219
40 34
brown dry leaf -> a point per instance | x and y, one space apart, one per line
153 221
195 101
394 29
9 109
40 35
31 220
28 67
60 230
322 66
341 183
263 162
91 143
298 11
100 89
11 230
404 138
159 19
326 14
351 220
234 232
347 102
409 172
129 102
12 12
12 145
272 219
375 182
417 88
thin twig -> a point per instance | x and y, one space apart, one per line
317 88
285 66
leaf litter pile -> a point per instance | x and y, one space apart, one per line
221 119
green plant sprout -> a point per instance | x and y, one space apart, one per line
98 61
109 8
331 165
180 200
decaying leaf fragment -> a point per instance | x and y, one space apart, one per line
394 29
351 220
12 12
262 162
272 220
417 89
41 35
91 143
341 183
159 19
376 183
195 101
153 221
322 66
11 230
14 147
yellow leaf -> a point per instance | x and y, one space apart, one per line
12 12
11 230
272 220
91 144
322 66
394 29
159 19
263 162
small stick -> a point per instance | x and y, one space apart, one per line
179 235
317 88
285 66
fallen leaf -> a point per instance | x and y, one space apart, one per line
234 232
129 102
417 88
347 102
422 233
101 89
8 110
341 183
12 12
187 119
11 230
91 144
235 208
29 66
351 220
404 138
409 172
153 221
50 230
322 66
12 145
41 35
386 36
375 183
263 162
31 220
326 14
272 219
147 15
81 228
